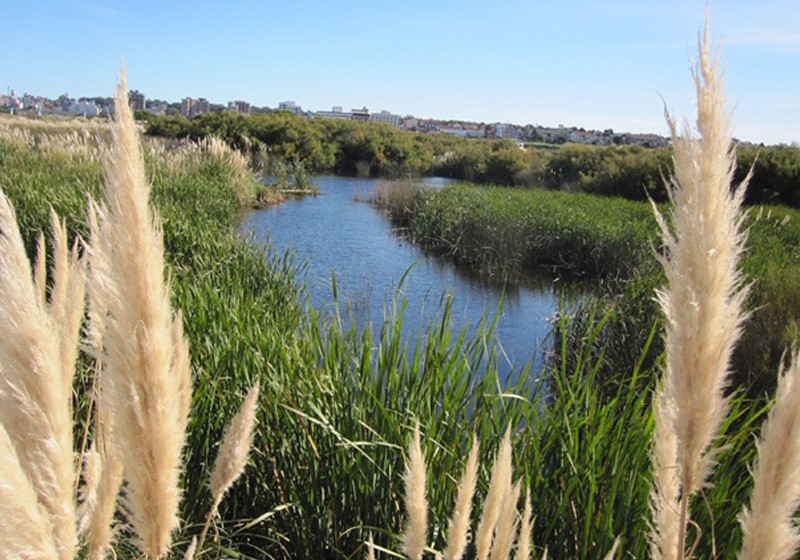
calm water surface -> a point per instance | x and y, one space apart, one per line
334 234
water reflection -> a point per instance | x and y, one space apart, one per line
333 234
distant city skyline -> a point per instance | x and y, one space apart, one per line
596 65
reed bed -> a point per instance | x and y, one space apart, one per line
337 407
609 246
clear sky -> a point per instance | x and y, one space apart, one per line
597 64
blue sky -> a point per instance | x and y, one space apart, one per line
596 64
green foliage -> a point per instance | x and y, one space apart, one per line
338 406
630 172
611 243
37 182
357 148
776 174
505 232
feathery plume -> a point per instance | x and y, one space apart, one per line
35 397
87 492
458 527
768 526
525 528
26 530
99 524
704 299
67 298
416 502
40 270
506 524
500 482
182 369
146 381
664 504
191 550
232 455
235 448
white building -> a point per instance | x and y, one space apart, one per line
187 107
335 113
157 107
410 122
84 108
385 117
290 106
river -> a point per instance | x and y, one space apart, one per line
334 233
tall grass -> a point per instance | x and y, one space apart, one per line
142 392
703 302
337 406
504 232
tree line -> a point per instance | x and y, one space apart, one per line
369 149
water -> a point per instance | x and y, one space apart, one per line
333 233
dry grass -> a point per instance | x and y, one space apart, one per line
146 380
458 527
232 455
703 302
769 524
35 392
143 388
416 502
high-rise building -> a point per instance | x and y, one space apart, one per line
242 107
136 99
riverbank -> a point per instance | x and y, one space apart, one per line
338 407
610 243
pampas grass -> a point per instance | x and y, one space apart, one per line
232 455
142 391
526 524
35 392
416 503
458 527
498 488
25 531
497 530
703 301
146 383
769 526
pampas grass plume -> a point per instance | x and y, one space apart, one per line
506 524
416 503
235 447
525 527
232 455
35 397
458 527
769 526
370 548
613 552
100 523
26 531
664 496
145 377
704 298
492 507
